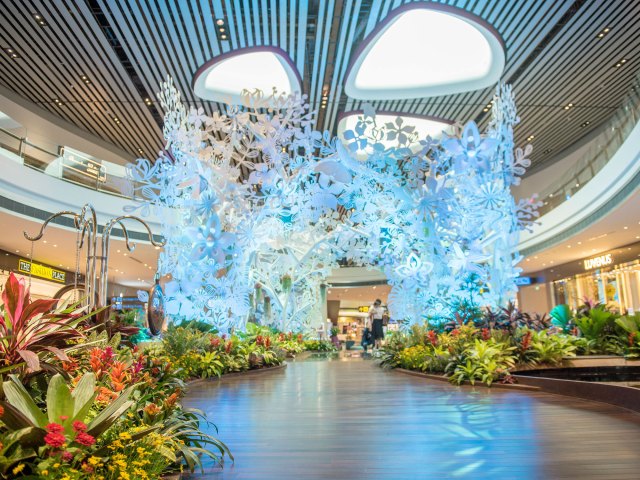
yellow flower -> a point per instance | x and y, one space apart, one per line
125 436
18 468
94 461
45 472
56 465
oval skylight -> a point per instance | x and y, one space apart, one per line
423 126
424 51
223 78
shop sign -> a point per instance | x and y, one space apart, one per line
42 271
597 262
522 281
363 309
85 166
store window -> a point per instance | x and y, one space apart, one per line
617 286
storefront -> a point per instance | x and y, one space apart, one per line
611 278
45 280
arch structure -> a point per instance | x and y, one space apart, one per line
258 207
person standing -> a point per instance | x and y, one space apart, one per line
376 313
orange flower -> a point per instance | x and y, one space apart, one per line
105 395
152 410
118 376
172 399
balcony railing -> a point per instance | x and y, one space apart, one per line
603 148
69 165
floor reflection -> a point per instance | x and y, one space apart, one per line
340 417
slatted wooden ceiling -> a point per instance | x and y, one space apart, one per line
126 48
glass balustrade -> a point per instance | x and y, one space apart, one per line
67 164
603 148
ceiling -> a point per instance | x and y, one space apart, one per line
99 63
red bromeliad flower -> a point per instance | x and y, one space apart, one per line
282 337
1 413
215 342
228 346
85 439
267 342
632 338
432 337
486 334
525 342
455 332
259 340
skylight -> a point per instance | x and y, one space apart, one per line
223 78
423 126
423 51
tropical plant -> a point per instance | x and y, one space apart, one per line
593 326
550 349
562 318
319 346
33 330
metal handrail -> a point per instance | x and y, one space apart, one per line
609 140
34 164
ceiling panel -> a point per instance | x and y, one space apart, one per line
126 48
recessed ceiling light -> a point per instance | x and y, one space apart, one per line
223 78
39 19
12 53
626 228
223 37
473 58
220 22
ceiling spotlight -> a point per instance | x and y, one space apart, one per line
12 53
621 62
220 22
148 101
223 37
603 32
485 109
38 18
568 106
222 30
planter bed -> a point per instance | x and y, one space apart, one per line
444 378
238 374
621 396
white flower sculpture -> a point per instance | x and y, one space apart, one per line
258 208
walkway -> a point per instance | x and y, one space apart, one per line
349 419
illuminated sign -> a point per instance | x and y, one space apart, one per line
597 262
42 271
84 166
363 309
521 281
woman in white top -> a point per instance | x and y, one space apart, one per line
375 315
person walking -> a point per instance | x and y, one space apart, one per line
376 313
367 337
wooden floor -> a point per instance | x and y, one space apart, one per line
346 418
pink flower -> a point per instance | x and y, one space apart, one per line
85 439
67 456
55 440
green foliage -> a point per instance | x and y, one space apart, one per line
551 349
594 324
413 358
561 317
319 346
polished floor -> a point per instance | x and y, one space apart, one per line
345 418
